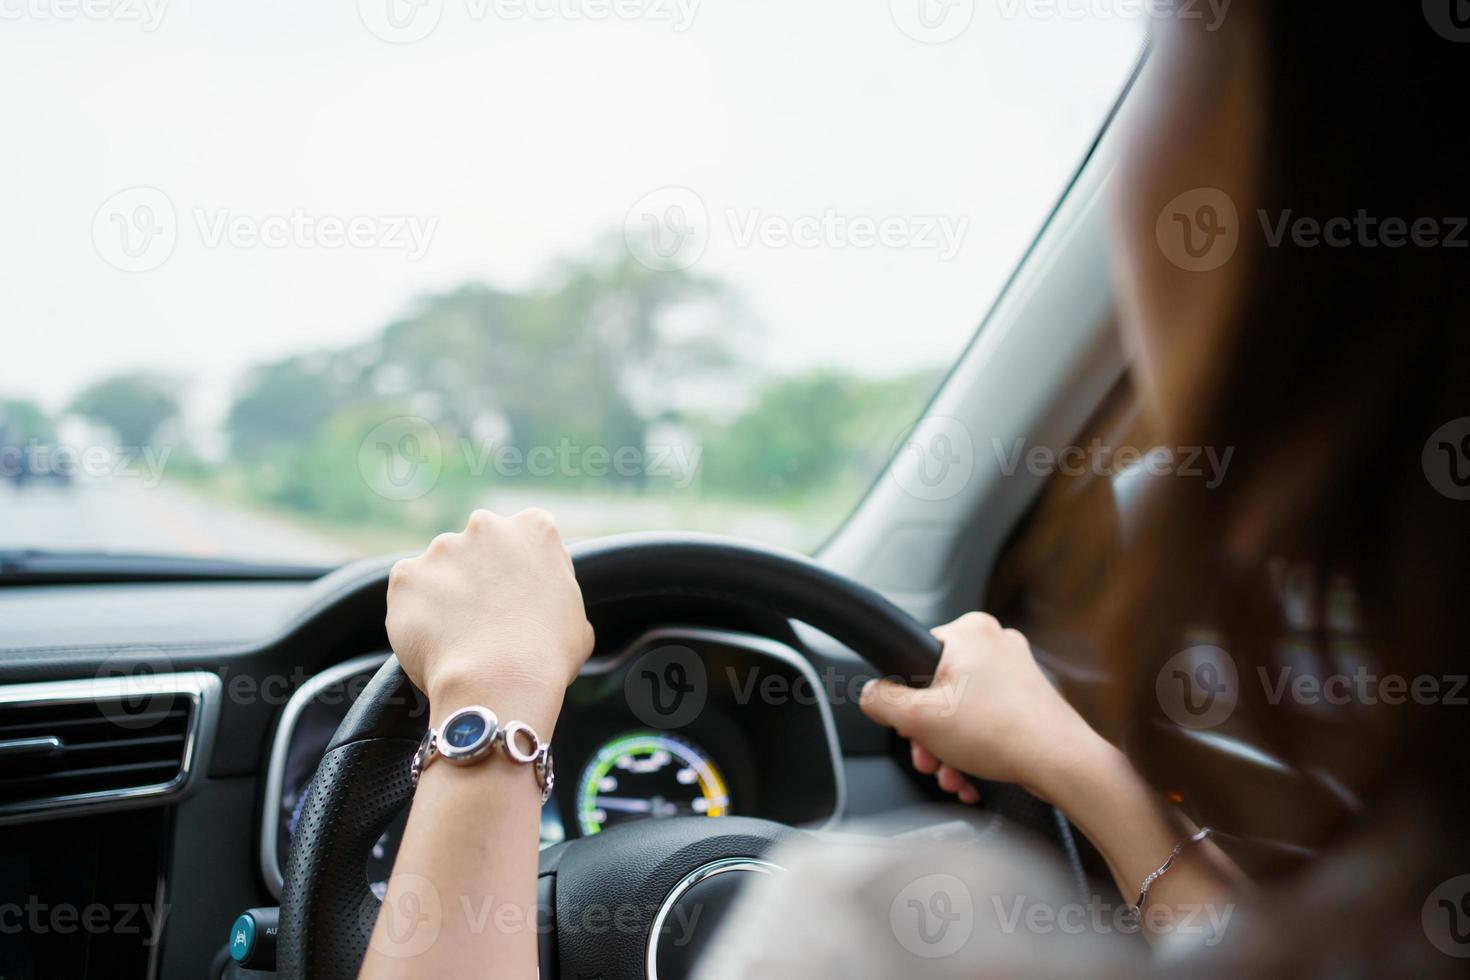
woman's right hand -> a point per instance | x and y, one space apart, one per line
492 615
990 712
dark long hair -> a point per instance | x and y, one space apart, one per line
1339 367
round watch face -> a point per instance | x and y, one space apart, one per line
467 733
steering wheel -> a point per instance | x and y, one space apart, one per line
641 871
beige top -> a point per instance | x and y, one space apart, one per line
870 909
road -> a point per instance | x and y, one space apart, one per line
124 515
127 515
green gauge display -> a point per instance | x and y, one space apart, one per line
648 775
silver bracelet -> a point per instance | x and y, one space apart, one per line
470 734
1133 914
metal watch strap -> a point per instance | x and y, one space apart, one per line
423 754
512 740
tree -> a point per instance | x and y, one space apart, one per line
819 431
592 358
22 420
284 404
134 405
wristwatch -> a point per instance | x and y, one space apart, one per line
471 734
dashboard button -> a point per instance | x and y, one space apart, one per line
253 938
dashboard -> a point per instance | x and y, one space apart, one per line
680 722
691 704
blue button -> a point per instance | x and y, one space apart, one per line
242 938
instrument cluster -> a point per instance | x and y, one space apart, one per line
684 722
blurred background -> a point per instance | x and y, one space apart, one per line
299 282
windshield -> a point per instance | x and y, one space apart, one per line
299 282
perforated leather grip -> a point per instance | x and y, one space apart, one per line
357 791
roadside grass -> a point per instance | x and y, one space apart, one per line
800 522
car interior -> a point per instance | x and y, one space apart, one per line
214 739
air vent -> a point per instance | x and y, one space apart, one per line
101 742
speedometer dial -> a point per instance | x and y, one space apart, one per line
645 775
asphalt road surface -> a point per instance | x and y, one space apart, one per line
123 515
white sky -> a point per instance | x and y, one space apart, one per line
526 140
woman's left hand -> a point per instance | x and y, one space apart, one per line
990 712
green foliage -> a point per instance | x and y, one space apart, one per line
578 361
818 430
134 406
22 421
283 406
596 357
319 475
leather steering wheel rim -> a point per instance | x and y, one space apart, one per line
362 783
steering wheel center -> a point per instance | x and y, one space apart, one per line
642 900
691 911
